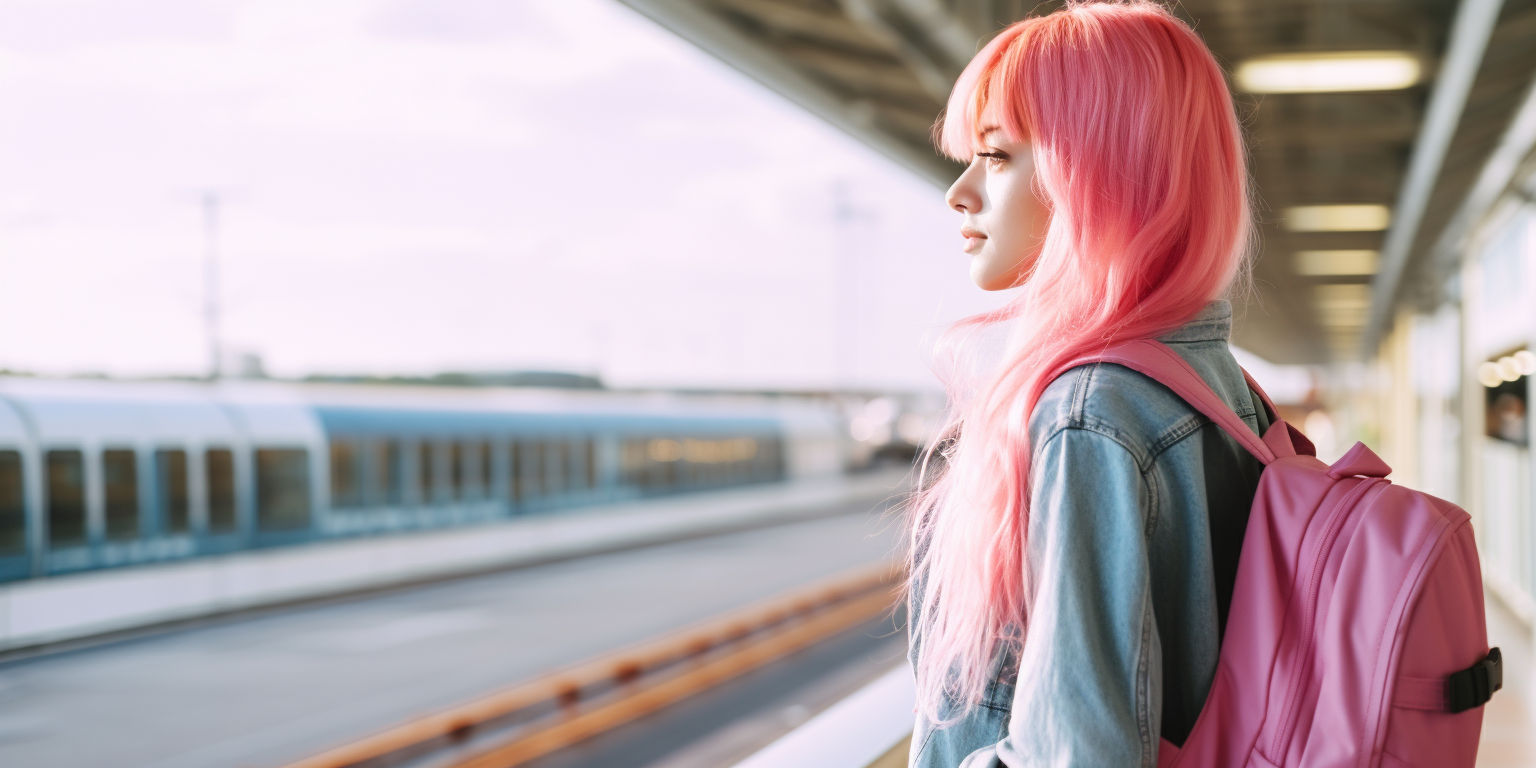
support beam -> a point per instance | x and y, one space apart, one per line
828 26
931 61
719 39
1474 23
875 78
1514 150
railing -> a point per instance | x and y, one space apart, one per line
518 724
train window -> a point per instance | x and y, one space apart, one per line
387 474
486 473
664 455
66 499
575 471
220 466
559 467
633 462
171 490
121 478
771 460
543 468
426 470
282 488
13 506
589 456
346 480
515 471
532 460
456 470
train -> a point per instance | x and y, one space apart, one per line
104 474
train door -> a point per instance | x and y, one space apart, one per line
290 462
16 542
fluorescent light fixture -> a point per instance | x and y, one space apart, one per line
1328 72
1337 218
1329 263
1346 295
1342 306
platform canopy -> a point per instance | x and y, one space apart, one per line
1370 123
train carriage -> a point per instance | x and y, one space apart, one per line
98 474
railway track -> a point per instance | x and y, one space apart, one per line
521 723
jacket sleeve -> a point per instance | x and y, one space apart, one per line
1090 672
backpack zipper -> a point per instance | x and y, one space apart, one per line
1292 711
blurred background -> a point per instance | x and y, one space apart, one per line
532 382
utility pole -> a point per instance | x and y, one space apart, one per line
211 284
845 282
842 290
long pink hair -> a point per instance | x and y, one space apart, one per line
1139 159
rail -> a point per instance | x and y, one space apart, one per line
512 726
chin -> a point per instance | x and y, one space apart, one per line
988 278
992 283
990 272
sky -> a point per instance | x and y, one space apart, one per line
413 186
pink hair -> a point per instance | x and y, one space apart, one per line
1139 158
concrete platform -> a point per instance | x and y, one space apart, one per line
852 733
1509 723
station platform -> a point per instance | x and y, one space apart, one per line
1509 724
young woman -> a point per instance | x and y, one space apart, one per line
1073 564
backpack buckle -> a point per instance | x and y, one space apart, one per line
1474 686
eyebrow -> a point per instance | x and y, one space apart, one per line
989 130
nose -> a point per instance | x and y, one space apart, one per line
963 195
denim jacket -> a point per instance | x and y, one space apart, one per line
1137 510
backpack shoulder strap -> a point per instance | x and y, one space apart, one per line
1269 405
1156 361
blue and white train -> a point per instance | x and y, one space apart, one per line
97 474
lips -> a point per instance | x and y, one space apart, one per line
973 240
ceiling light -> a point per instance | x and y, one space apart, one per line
1347 295
1337 218
1328 72
1488 375
1329 263
1342 306
1508 369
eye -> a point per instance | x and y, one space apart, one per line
994 157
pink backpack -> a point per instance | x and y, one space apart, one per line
1356 635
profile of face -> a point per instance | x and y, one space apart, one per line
1005 220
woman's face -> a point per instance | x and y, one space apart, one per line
1005 221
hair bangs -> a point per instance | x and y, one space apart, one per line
991 79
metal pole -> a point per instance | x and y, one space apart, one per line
211 284
843 285
1473 25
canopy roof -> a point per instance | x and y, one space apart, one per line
881 70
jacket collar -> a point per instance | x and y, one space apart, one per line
1214 323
